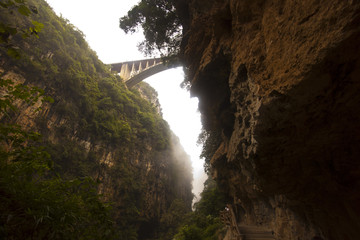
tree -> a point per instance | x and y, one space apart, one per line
8 31
160 23
204 223
210 141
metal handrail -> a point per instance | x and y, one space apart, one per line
227 216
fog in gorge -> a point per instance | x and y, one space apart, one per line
180 111
113 45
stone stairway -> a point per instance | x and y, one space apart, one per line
248 232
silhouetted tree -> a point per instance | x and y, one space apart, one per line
160 23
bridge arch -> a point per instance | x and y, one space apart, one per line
134 72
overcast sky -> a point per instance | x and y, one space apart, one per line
99 21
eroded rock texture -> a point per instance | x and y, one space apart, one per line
280 78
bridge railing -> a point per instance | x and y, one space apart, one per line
134 72
129 69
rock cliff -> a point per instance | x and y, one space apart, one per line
280 80
142 181
98 128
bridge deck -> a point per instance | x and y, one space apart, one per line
117 66
134 72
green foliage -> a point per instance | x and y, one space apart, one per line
93 113
212 199
35 208
161 26
8 31
210 141
94 97
204 222
35 202
171 220
71 154
29 95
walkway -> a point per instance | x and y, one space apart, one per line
243 232
248 232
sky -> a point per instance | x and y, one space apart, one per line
99 21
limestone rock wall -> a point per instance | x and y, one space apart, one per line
130 176
280 78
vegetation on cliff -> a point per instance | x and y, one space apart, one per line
94 129
162 26
204 222
160 23
36 203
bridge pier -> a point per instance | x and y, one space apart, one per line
125 71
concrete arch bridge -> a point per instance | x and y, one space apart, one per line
134 72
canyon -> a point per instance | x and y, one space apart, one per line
278 84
